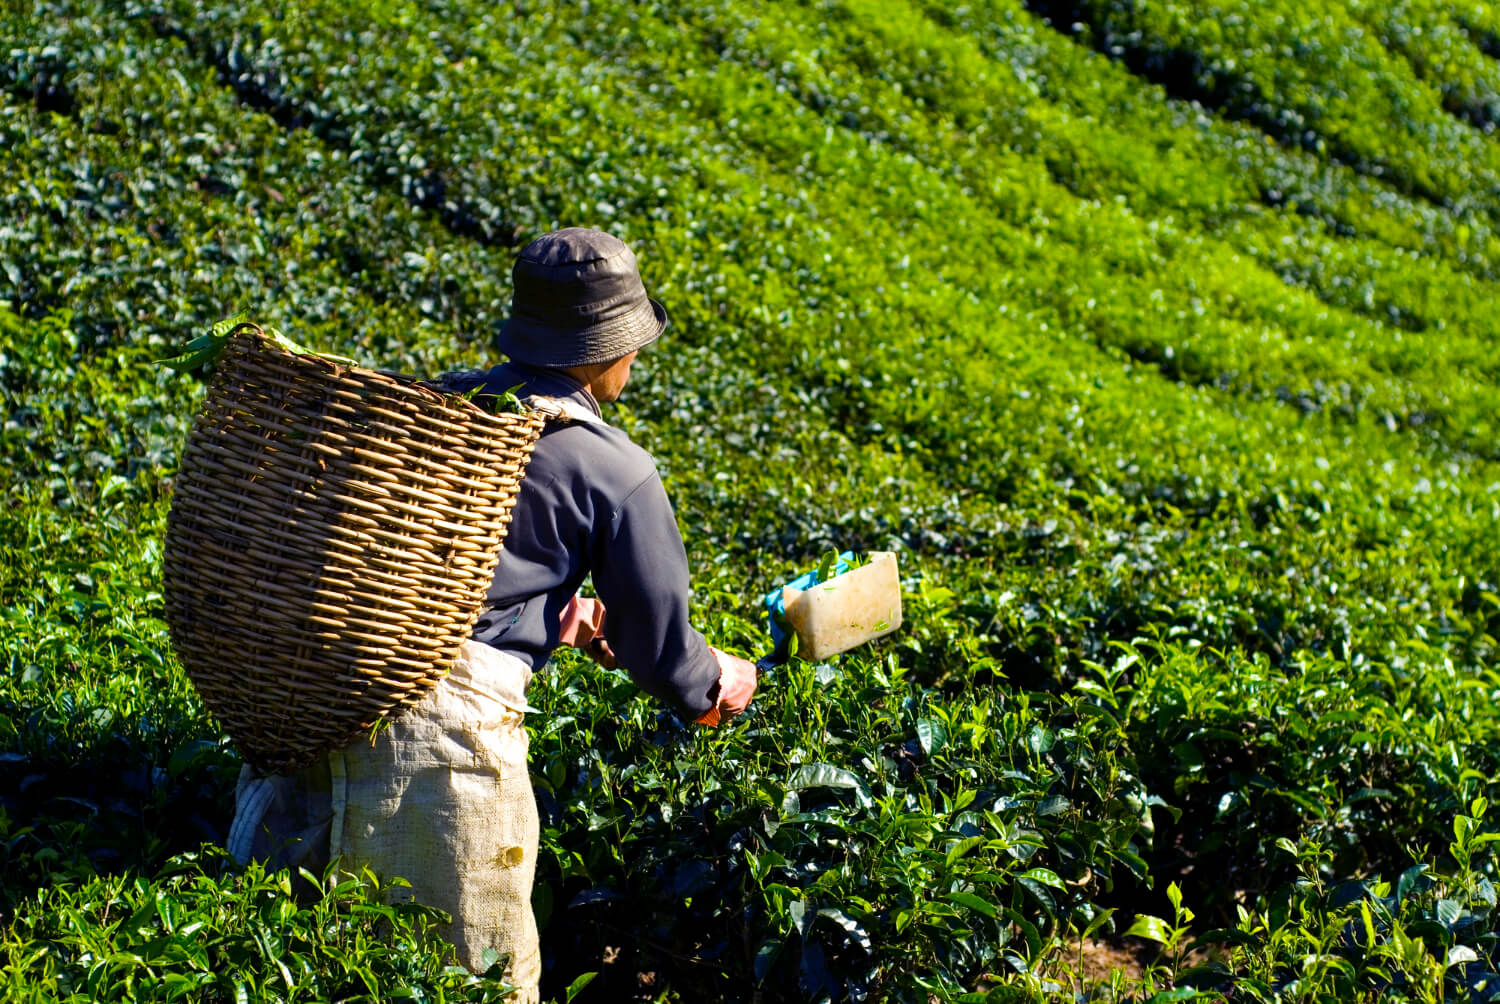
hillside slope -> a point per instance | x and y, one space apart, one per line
1158 338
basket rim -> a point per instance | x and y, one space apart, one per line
425 388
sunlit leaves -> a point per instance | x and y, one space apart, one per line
1186 436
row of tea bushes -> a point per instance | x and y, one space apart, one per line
1316 78
1235 308
1157 146
1443 43
897 90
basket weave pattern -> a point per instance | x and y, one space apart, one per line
332 535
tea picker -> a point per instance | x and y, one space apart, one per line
336 588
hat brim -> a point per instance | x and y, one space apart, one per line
547 345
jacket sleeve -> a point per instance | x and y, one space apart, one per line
641 573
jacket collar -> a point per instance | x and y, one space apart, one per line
538 380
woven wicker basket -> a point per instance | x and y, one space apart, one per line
332 535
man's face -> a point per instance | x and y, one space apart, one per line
613 380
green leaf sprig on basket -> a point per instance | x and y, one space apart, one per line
207 347
507 401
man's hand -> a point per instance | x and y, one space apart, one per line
737 680
600 652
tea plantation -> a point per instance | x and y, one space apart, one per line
1159 340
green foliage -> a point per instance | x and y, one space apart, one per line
1157 338
205 350
1427 936
856 831
207 347
202 929
1317 79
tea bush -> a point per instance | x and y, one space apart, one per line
1318 80
1156 339
201 929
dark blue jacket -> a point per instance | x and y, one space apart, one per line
592 503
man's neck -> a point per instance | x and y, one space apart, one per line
567 376
586 376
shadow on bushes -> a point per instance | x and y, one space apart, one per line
70 813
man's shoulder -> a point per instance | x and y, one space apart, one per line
599 455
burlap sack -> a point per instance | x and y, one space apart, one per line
441 798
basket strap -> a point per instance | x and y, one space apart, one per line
559 409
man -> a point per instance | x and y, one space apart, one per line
591 505
592 502
442 797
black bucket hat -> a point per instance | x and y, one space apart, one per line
578 299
